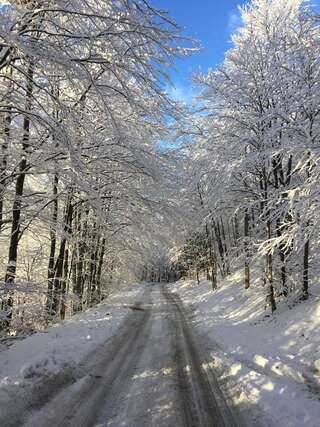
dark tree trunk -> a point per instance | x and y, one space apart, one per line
217 231
53 243
58 269
16 209
64 285
279 180
236 229
78 284
282 257
3 163
225 248
271 296
112 267
246 250
93 266
306 250
305 283
100 265
212 258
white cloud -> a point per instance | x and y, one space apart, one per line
182 93
234 21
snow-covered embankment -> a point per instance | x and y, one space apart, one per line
274 361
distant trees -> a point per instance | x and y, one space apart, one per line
158 268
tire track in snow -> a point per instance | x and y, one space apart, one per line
202 401
79 404
107 393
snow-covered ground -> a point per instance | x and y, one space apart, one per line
48 358
273 360
115 367
272 364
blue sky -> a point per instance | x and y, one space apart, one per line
211 22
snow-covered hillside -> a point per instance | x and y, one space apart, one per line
273 359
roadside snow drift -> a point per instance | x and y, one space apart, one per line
273 360
47 360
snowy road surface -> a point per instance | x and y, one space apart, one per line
151 374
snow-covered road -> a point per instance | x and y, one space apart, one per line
152 373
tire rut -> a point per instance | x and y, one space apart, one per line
202 401
98 375
103 392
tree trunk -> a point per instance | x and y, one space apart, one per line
3 163
58 269
112 267
93 268
305 283
246 250
53 243
270 297
78 284
100 265
217 231
212 258
64 285
282 257
236 231
225 248
16 209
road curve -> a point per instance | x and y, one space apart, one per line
152 374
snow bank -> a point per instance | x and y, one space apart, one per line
50 357
274 360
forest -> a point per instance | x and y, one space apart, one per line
105 179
